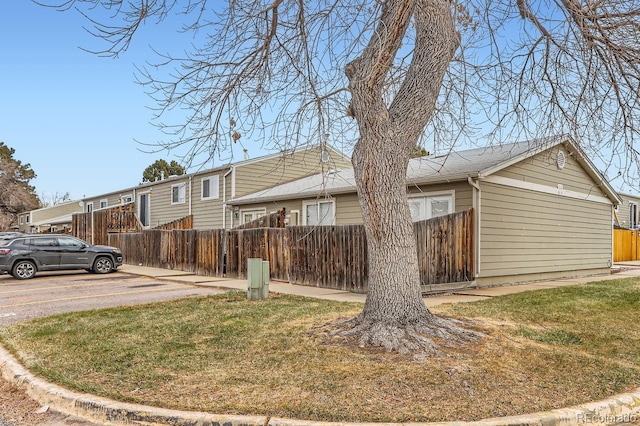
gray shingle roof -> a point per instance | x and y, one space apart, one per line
446 167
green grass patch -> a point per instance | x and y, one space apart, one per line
225 354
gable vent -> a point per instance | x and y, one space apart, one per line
561 160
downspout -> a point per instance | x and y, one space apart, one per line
190 194
224 198
92 226
476 219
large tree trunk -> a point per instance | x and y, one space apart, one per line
395 316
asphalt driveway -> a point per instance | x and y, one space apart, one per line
58 292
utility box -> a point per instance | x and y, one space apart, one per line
258 276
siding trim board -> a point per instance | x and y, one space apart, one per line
546 189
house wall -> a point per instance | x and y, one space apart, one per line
242 178
624 210
251 176
207 213
45 214
348 206
542 169
530 232
113 198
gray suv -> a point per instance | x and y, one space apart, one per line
23 256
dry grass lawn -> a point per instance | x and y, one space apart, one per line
224 354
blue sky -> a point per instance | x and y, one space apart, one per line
74 116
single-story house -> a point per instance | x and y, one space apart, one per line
542 209
204 194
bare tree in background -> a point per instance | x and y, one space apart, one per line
16 195
401 71
49 200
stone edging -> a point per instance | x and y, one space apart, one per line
617 409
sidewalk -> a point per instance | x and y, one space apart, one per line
629 269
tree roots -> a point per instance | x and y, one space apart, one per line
421 337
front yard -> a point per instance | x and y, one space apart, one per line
223 354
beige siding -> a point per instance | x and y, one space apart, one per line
162 210
113 199
207 213
55 211
527 232
542 169
253 176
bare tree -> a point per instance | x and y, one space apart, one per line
16 195
389 74
48 200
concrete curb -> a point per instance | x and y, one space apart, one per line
617 409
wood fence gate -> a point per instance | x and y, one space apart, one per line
626 246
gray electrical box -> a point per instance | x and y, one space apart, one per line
258 276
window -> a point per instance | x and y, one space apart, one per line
633 215
104 203
69 242
178 193
27 218
210 188
251 215
126 199
89 207
319 213
431 206
22 220
43 242
144 209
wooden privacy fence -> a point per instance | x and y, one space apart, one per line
329 257
336 256
324 256
266 243
182 223
625 245
95 226
200 252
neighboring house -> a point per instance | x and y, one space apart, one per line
542 209
627 214
56 218
204 194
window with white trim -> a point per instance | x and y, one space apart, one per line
431 206
178 193
251 215
89 207
126 199
210 188
104 203
22 220
319 213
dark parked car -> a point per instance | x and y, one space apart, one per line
6 236
23 256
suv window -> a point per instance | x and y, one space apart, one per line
69 242
43 242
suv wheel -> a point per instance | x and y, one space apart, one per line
103 265
23 270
